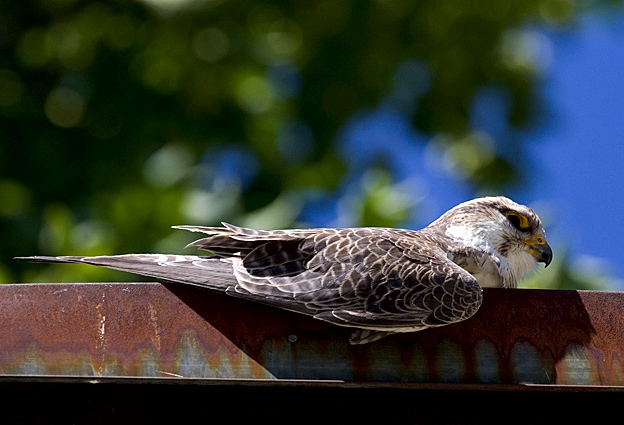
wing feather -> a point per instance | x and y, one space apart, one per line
369 278
383 280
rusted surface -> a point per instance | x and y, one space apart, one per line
155 330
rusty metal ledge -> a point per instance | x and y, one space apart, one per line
520 340
306 383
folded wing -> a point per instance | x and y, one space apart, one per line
380 280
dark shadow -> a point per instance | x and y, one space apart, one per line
517 336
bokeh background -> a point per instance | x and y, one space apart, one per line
121 118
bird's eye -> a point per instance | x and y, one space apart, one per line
518 220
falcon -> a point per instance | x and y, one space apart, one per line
379 281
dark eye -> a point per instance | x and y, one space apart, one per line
513 219
518 220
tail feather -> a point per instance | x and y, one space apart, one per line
208 272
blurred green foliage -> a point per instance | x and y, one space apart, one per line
121 118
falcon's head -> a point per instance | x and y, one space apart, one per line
509 235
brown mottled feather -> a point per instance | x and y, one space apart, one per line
378 280
372 278
384 280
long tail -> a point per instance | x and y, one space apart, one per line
208 272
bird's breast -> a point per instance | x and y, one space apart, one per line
488 280
483 269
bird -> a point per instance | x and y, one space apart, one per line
378 281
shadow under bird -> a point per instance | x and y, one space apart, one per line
379 281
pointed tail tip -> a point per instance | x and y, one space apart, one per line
196 243
48 259
202 229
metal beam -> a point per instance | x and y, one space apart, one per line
153 330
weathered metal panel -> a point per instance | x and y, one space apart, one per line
155 330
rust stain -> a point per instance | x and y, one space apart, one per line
150 329
153 321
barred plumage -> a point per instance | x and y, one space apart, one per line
378 280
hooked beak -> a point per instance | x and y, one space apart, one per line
542 253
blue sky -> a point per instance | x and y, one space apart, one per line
579 155
576 156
